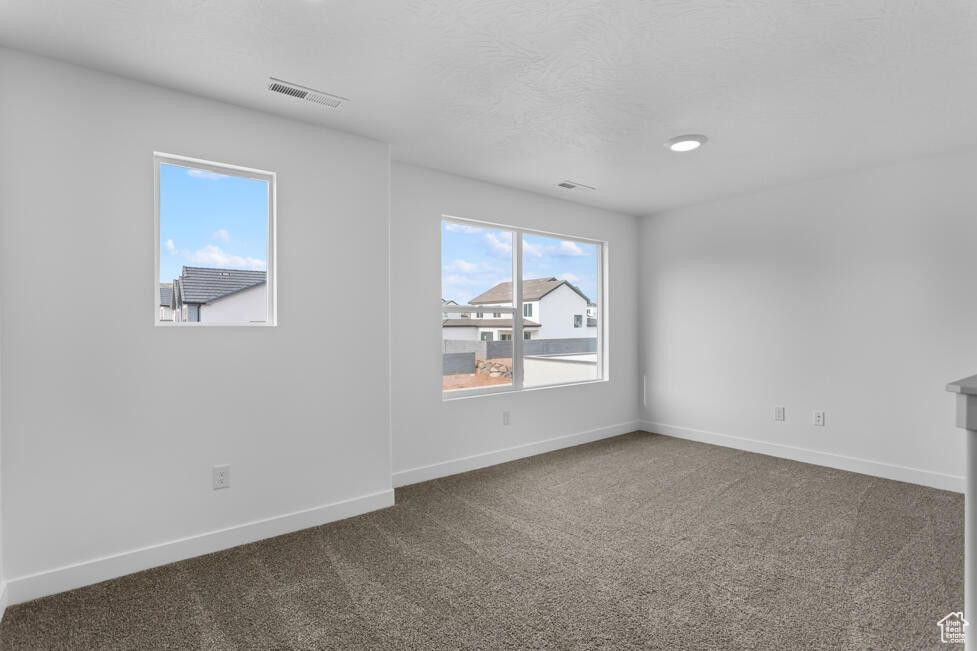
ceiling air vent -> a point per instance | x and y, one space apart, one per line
308 94
573 185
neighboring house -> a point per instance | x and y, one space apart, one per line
445 303
468 329
556 309
207 295
166 301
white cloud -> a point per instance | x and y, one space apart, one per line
463 266
570 248
457 280
499 244
205 174
214 255
455 227
535 250
170 247
222 235
569 277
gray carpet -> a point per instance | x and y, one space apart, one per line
640 541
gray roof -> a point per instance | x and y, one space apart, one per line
166 294
205 285
485 323
533 289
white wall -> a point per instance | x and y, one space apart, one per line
248 305
853 294
3 574
431 437
91 466
456 334
555 314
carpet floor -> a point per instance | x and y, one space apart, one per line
640 541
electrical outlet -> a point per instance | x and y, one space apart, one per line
819 418
505 417
779 413
222 477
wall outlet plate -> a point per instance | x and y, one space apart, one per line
222 477
505 417
779 413
819 418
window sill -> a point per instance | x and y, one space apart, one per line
465 394
193 324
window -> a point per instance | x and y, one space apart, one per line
510 270
480 315
215 246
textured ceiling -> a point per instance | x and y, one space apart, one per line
529 93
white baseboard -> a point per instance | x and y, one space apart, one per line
69 577
806 455
3 599
485 459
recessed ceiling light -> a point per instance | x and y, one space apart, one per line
687 142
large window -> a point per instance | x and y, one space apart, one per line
215 244
547 327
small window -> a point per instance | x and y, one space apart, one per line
215 242
505 336
487 336
527 309
578 320
496 315
527 334
480 315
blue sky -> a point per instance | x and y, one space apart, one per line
210 220
473 259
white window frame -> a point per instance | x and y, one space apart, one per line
516 310
161 158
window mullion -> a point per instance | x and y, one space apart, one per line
517 311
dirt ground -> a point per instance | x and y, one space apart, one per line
471 380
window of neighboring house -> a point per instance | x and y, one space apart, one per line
487 336
215 241
512 269
480 315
